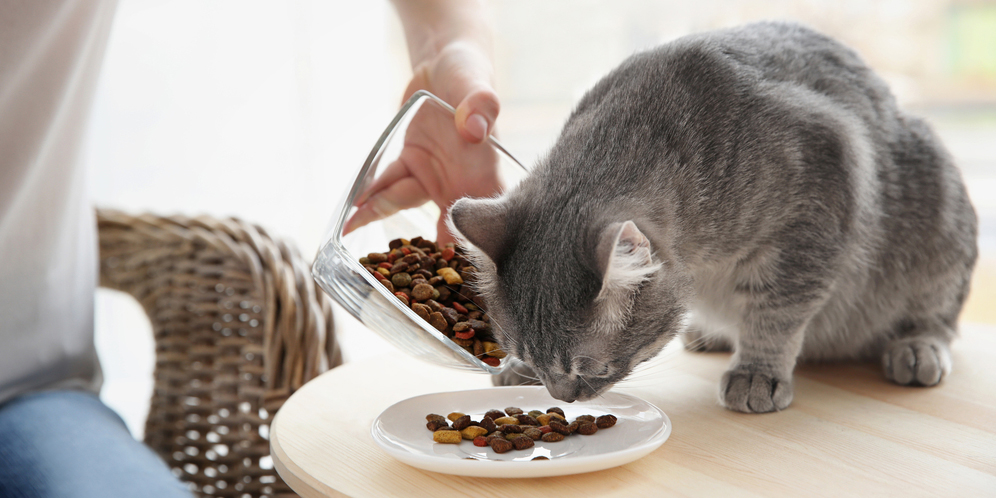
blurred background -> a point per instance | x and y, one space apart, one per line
264 110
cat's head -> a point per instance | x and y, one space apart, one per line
581 299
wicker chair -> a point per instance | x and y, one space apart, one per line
238 327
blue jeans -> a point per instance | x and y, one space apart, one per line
69 444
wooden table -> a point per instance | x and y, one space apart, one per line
848 433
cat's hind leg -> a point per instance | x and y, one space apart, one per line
921 359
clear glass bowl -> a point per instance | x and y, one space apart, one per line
337 268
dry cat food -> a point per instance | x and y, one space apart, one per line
510 429
433 282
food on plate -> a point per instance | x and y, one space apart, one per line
512 428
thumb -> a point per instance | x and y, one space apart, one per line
477 113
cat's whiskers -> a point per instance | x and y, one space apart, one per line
537 379
695 343
595 392
510 345
651 371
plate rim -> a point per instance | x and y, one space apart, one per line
526 469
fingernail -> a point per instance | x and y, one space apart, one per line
477 126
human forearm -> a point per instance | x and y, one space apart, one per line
431 25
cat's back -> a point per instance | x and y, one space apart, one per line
790 53
718 73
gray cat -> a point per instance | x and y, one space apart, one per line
755 188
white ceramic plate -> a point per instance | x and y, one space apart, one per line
641 428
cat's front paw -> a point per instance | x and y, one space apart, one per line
916 361
516 374
754 392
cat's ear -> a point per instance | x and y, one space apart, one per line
625 259
482 222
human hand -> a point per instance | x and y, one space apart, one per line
444 157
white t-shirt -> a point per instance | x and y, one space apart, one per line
50 56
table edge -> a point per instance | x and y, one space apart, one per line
292 474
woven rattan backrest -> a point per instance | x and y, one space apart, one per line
238 327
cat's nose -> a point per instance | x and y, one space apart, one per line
563 391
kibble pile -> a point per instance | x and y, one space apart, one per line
512 428
434 282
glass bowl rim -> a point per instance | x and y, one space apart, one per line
335 237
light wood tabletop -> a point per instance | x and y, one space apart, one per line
847 433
